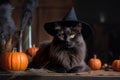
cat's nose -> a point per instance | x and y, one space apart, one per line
67 40
68 43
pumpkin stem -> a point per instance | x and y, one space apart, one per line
33 45
14 50
95 56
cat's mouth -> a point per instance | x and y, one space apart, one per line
68 45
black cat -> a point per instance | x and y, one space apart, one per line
66 52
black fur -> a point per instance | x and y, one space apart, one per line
66 53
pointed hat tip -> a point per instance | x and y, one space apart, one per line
71 15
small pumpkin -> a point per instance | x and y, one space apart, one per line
32 51
116 65
14 61
95 63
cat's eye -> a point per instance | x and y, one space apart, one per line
61 36
72 35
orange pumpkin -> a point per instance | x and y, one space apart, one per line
14 61
32 51
116 65
95 63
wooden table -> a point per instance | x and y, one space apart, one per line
36 74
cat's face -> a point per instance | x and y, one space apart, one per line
67 36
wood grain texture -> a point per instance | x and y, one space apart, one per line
45 75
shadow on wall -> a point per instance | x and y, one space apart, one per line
107 41
104 16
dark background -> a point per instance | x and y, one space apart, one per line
92 10
103 15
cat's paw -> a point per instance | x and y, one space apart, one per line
75 70
79 69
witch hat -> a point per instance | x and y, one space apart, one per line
69 19
70 16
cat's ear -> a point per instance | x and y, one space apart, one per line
57 27
52 28
49 28
78 27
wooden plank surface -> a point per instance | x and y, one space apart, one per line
36 74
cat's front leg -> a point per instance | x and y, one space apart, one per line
79 69
55 68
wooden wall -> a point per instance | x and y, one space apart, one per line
47 11
106 37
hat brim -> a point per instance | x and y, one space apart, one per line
87 30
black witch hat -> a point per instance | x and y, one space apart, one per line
70 19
